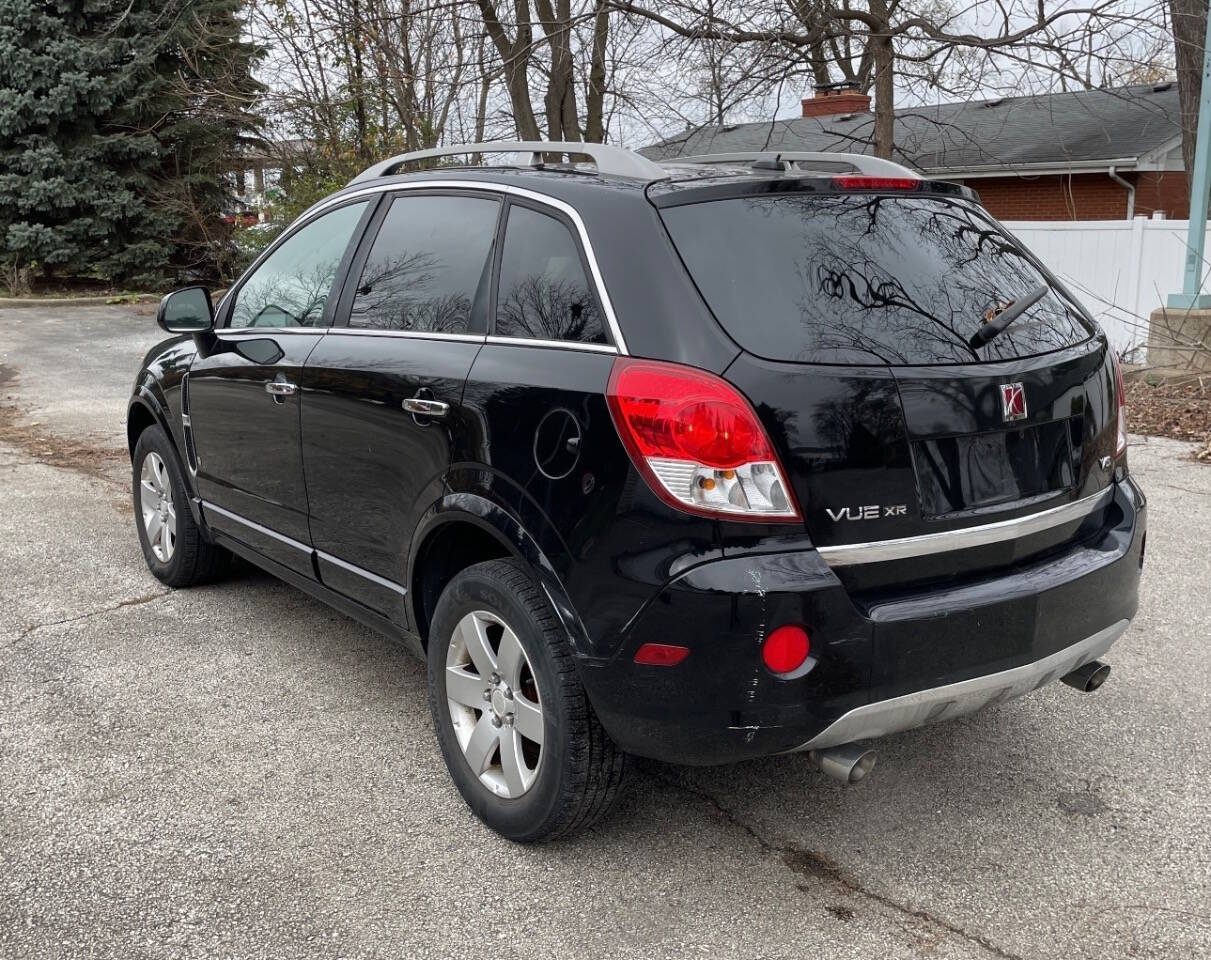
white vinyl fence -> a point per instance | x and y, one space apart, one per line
1121 269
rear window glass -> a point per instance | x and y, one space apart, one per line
865 279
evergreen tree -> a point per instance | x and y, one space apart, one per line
119 120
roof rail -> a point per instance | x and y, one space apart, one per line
872 166
613 161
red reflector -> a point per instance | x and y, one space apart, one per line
847 181
786 648
661 654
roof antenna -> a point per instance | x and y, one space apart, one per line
765 163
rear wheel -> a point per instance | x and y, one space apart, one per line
516 729
173 545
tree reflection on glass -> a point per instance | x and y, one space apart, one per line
544 293
867 279
290 288
426 265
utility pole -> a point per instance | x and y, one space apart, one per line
1191 297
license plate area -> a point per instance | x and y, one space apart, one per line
959 474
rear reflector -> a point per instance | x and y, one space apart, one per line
697 442
661 654
847 181
786 649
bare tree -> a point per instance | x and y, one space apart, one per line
871 44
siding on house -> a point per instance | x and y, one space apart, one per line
1167 191
1082 196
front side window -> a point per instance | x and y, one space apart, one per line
291 288
427 265
543 291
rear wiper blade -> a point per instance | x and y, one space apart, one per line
995 324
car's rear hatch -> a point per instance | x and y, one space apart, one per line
855 312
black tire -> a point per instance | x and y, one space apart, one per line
580 770
194 560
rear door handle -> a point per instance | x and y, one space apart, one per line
281 388
425 407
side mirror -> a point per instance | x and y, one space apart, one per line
188 310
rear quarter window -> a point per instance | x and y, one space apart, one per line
866 279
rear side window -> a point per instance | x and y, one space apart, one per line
426 266
865 279
543 291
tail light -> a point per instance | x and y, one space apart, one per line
697 442
1120 440
850 181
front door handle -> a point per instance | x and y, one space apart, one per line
281 388
423 406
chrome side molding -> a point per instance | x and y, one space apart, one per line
208 507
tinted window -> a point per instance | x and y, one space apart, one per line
543 290
292 286
865 279
426 265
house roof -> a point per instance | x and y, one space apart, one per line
1084 129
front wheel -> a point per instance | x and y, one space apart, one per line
514 724
174 547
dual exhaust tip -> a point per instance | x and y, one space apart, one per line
851 762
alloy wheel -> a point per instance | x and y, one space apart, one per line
494 704
156 506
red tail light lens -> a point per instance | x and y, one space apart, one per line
697 442
1120 441
847 181
785 649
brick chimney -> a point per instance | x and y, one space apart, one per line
831 99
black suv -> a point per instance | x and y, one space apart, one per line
701 461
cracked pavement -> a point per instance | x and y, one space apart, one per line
238 771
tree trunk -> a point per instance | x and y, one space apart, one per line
563 123
594 98
884 58
1189 32
359 84
515 55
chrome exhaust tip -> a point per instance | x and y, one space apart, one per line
1089 677
847 763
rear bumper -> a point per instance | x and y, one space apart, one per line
882 660
959 699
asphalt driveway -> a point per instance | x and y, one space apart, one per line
237 771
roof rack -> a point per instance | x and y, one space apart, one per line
872 166
613 161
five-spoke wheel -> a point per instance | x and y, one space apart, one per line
156 507
516 729
495 706
175 548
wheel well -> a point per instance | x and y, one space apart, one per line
447 551
138 419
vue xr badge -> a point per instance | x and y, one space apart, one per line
870 512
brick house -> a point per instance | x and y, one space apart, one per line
1088 155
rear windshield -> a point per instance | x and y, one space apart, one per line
865 279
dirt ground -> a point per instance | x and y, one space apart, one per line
1179 408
